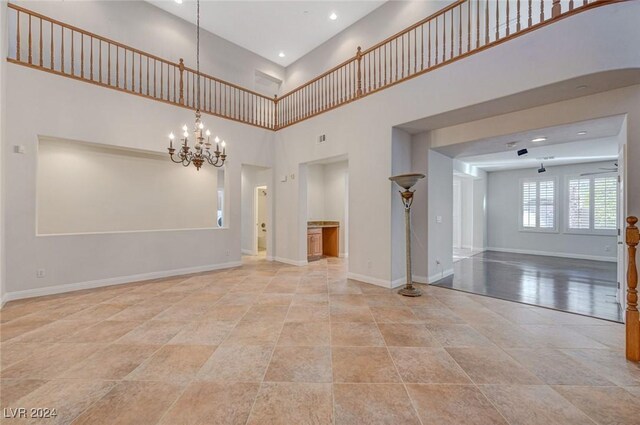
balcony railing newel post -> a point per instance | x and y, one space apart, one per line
632 316
359 59
555 9
275 111
181 68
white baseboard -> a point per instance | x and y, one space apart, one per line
249 252
344 255
269 258
3 300
420 279
291 262
555 254
70 287
437 276
368 279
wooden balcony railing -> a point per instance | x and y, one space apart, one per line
53 46
459 30
632 318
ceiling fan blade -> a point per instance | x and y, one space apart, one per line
596 172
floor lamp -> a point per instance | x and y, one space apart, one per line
407 181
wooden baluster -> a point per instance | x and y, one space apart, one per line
436 58
91 59
444 37
51 54
30 44
275 108
18 35
73 61
139 73
133 68
468 25
40 47
100 61
507 17
486 25
530 21
541 10
118 67
147 74
109 69
81 55
518 19
62 49
174 83
396 61
124 70
359 59
477 24
155 75
555 9
459 30
497 20
415 51
451 46
429 46
422 47
632 315
181 68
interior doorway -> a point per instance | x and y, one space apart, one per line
541 214
261 229
257 211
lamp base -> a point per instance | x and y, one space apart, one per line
410 291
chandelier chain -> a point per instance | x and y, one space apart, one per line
198 51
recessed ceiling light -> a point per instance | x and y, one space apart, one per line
281 54
581 133
333 16
511 144
539 139
582 87
179 1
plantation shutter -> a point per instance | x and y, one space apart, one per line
529 204
579 203
547 204
605 198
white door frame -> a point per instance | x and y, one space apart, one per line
622 215
256 225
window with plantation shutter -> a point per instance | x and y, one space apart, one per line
605 203
579 203
593 204
538 204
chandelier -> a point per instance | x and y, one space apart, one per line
202 146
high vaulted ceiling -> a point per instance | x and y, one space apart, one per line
270 27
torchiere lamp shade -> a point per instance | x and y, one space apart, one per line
406 181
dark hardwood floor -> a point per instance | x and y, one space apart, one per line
577 286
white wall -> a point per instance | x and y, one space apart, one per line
388 19
327 196
440 217
83 188
252 177
141 25
503 217
362 129
131 122
3 108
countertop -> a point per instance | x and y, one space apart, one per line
322 224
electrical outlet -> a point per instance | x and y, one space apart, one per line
439 219
40 273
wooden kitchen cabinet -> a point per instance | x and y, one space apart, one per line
314 243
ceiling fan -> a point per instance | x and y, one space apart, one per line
605 170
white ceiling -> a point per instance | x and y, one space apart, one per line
563 146
269 27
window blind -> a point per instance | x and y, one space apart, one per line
579 203
605 199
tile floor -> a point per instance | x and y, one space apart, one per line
268 343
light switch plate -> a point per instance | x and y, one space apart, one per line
438 219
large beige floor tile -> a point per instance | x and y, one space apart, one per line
236 364
51 363
407 335
13 390
373 404
152 332
605 405
292 403
300 364
206 403
363 364
533 405
457 335
254 333
112 362
104 332
203 332
305 333
488 365
351 334
131 402
446 404
427 365
173 363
